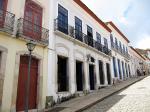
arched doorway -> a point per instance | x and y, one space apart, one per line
23 72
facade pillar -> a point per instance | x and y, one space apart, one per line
71 71
117 69
86 75
121 68
97 73
105 73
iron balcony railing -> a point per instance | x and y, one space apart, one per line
119 50
7 20
31 31
99 46
106 50
63 27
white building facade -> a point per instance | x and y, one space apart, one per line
137 62
79 55
120 55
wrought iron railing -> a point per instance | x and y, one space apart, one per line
7 20
119 50
63 27
113 44
99 46
106 50
32 31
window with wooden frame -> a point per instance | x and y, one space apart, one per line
105 43
98 37
3 7
32 20
62 19
78 29
89 31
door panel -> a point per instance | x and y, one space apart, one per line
22 82
79 76
108 73
62 74
101 73
91 77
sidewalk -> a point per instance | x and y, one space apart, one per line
80 103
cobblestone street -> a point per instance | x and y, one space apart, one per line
135 98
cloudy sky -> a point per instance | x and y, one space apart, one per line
131 16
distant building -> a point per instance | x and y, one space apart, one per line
146 54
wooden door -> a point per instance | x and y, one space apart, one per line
91 77
79 76
62 74
108 73
22 82
101 73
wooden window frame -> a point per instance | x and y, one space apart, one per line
4 8
36 10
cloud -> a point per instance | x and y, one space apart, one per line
144 42
128 10
131 16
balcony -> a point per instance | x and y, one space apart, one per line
99 46
119 50
6 21
106 50
29 31
80 36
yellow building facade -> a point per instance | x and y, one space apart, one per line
22 21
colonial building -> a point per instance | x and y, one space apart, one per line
137 62
79 50
20 22
146 54
120 55
75 53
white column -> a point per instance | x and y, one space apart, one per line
97 74
86 75
112 70
71 67
105 73
52 74
121 69
117 69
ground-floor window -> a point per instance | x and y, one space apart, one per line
129 70
119 68
123 69
101 73
108 73
91 77
126 69
114 66
62 66
79 76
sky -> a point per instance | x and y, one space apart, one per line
132 17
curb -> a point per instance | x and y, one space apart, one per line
90 105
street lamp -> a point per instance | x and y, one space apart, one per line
30 46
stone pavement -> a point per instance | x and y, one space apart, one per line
135 98
80 103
